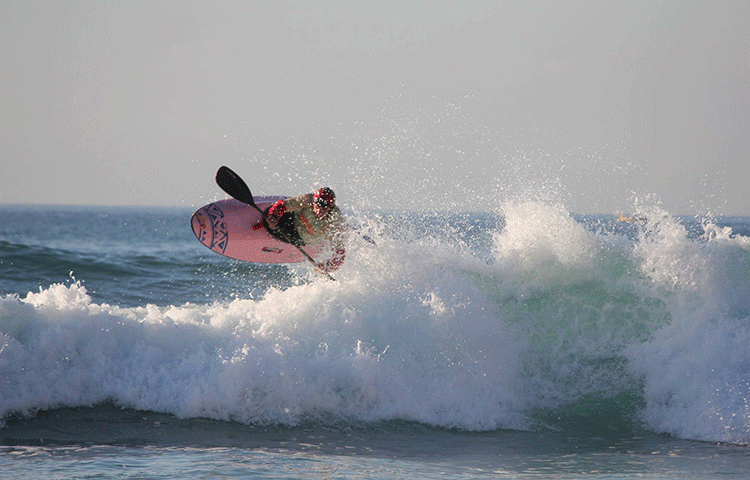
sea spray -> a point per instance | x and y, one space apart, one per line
574 293
696 369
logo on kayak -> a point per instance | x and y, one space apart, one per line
219 230
210 228
272 249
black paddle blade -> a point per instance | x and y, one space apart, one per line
231 183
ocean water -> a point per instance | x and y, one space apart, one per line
530 342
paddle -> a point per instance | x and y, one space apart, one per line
232 184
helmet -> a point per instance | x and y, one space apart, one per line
324 197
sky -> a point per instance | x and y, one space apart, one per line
600 106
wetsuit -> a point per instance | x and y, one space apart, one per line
298 224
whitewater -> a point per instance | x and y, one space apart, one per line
530 319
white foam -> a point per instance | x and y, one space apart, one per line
696 369
420 329
409 344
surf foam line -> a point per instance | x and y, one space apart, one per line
307 353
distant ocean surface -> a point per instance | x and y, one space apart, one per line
526 343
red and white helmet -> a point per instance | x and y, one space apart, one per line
325 198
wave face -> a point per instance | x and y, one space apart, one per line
533 318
